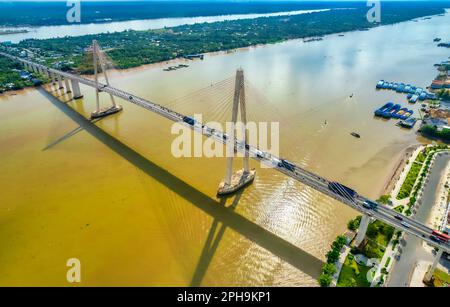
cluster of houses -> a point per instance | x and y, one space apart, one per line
443 82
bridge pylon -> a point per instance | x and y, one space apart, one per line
233 182
99 64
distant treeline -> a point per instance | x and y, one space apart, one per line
133 48
54 13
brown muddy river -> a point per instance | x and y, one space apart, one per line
112 195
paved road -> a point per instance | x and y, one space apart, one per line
412 248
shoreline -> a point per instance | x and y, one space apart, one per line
392 179
240 49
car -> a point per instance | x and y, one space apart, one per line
276 162
259 153
368 204
131 97
398 217
404 224
435 239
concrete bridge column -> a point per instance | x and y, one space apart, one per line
365 220
53 77
76 89
66 83
429 274
60 79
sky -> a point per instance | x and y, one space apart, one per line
224 0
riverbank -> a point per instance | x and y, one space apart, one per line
160 45
347 271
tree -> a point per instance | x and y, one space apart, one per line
325 280
333 256
354 224
351 282
329 269
384 199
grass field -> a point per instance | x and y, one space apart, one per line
353 274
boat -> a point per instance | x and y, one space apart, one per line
386 107
414 98
395 86
380 84
409 123
409 96
391 111
356 135
412 90
400 88
407 114
423 96
106 111
400 113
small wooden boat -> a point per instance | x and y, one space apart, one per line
356 135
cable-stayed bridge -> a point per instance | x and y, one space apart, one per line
370 209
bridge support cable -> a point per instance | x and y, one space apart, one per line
99 64
236 181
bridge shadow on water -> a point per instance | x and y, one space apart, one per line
221 214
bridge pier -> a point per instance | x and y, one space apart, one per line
430 272
76 89
60 79
66 84
99 63
363 225
233 182
53 77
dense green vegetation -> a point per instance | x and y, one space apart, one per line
384 199
54 13
354 224
424 157
441 278
9 77
433 132
399 209
444 94
133 48
353 274
332 256
408 184
379 235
